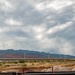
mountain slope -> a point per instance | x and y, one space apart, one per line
10 53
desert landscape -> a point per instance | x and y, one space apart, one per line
37 65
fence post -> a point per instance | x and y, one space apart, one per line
23 71
52 70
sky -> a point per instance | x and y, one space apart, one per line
41 25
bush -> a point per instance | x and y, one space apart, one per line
24 65
32 63
21 61
7 65
0 64
15 62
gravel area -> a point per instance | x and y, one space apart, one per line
58 68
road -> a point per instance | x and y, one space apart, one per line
39 73
50 73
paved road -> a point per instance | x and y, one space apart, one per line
49 73
40 73
10 73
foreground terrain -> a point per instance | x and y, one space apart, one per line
37 65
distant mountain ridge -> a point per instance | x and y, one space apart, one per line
10 53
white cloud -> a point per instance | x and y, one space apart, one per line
39 36
66 47
7 6
40 6
2 30
56 5
58 28
39 32
13 22
7 44
47 43
39 29
63 47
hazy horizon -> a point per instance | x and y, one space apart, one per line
42 25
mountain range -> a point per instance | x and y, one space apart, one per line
11 53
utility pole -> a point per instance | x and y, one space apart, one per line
60 56
48 55
24 54
65 57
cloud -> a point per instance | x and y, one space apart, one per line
40 25
12 22
7 6
56 5
58 28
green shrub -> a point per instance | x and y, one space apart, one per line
7 65
32 63
24 65
0 64
15 62
21 61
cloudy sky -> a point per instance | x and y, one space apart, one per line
43 25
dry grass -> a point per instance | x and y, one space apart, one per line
36 65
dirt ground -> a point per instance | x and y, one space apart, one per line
37 66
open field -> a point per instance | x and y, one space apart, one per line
38 65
